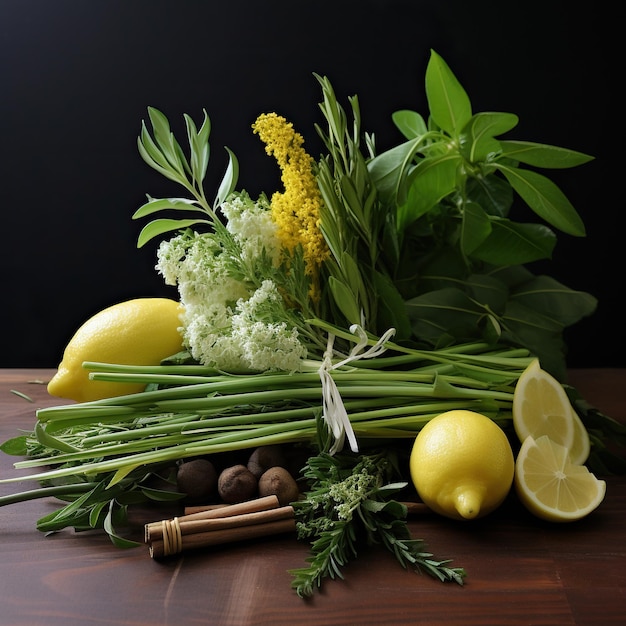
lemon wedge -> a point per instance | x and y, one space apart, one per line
541 407
551 486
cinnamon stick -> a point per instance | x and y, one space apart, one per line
211 526
217 537
194 526
229 510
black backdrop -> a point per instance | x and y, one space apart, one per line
76 78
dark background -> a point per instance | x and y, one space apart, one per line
77 77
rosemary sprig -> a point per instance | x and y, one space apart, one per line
348 503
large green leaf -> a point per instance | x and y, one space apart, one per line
445 312
512 243
448 102
387 171
545 199
541 155
554 301
430 181
475 227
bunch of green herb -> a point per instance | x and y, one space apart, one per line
348 504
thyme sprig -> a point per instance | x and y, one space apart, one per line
350 502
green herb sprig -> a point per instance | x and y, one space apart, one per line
349 502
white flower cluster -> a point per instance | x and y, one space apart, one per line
235 318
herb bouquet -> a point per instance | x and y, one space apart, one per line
373 292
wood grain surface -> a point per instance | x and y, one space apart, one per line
520 570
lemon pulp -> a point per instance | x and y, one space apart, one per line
551 486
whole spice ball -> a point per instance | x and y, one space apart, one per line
279 482
198 479
237 484
264 457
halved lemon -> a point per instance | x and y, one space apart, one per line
541 407
551 486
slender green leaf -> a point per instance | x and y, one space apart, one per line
229 180
199 146
541 155
345 300
154 205
165 140
545 199
160 226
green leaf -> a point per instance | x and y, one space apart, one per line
410 123
116 539
159 227
199 145
477 139
229 180
444 312
391 309
162 495
165 140
541 155
448 102
554 301
15 446
345 300
493 193
511 243
387 171
545 199
46 439
475 227
430 181
154 205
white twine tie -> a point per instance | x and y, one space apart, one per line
335 414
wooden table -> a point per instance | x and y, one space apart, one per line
520 570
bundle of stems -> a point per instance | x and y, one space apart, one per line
191 410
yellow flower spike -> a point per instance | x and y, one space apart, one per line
296 211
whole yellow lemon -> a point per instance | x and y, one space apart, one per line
462 464
142 331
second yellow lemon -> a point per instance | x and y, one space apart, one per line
462 464
142 331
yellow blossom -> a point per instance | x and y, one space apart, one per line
296 211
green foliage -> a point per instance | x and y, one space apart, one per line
461 259
349 502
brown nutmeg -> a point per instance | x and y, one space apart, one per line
279 482
237 484
198 479
264 457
